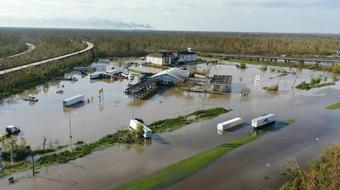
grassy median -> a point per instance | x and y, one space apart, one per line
173 124
168 176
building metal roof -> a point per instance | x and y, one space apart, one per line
221 80
174 72
187 53
159 55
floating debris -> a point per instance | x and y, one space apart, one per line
271 87
60 92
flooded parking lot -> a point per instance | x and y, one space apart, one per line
47 118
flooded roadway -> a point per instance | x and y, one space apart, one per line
253 166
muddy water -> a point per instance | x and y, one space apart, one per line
245 167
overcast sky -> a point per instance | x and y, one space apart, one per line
311 16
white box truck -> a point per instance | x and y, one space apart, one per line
74 100
229 124
263 120
136 123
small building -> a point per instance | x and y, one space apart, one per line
99 66
171 76
187 56
162 58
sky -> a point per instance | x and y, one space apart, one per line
283 16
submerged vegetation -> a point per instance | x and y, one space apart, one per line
122 137
289 121
17 160
241 66
172 124
320 175
168 176
334 106
54 156
314 83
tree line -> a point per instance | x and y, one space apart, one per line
54 42
141 43
47 46
11 45
19 81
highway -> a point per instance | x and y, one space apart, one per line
31 47
88 48
277 58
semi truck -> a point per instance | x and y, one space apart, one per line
137 123
229 124
74 100
263 120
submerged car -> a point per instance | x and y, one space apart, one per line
31 99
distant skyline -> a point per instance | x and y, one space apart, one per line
283 16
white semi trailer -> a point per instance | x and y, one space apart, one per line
229 124
263 120
135 124
74 100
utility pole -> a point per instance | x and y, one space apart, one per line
33 165
11 150
44 143
70 128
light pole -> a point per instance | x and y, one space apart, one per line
70 128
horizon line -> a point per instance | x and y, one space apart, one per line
159 30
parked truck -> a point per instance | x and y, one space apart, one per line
137 123
229 124
12 130
263 120
74 100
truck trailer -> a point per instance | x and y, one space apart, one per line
136 123
263 120
229 124
74 100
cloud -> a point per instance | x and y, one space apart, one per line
209 15
74 23
284 4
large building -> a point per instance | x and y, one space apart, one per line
162 58
171 76
168 57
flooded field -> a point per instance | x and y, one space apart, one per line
246 167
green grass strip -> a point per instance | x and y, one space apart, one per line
334 106
290 121
285 186
173 124
172 174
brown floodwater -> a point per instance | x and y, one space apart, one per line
253 166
